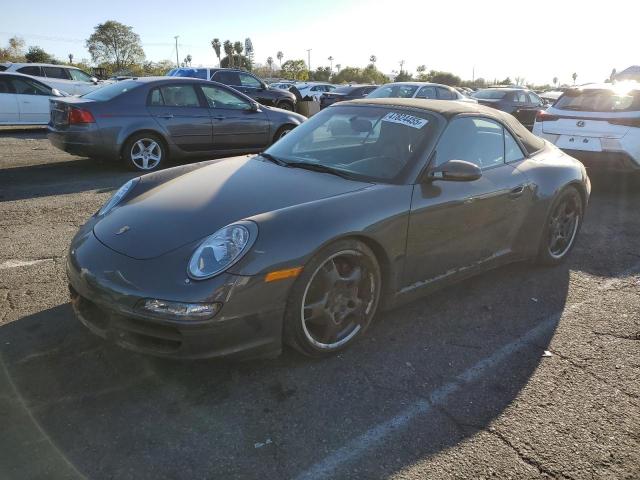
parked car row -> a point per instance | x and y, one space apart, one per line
520 102
25 100
64 78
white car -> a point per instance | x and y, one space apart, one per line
315 90
599 124
426 90
281 85
24 100
67 79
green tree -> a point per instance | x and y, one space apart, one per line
280 56
238 48
270 63
422 75
574 76
321 74
295 70
37 55
248 50
404 76
506 81
373 59
358 75
338 66
330 62
446 78
115 45
70 58
555 81
215 44
228 49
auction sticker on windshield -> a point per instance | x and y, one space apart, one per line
404 119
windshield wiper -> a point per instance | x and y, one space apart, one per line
273 159
318 167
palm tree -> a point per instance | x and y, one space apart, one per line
338 67
331 61
215 43
270 63
228 49
71 58
188 59
238 48
373 59
555 81
280 56
574 76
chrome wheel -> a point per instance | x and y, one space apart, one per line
563 225
338 300
146 154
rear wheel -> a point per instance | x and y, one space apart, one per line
286 106
144 152
334 300
562 227
282 131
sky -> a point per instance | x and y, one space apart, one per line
535 40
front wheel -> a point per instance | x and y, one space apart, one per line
334 299
144 152
562 227
286 106
282 131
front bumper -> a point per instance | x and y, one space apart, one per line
106 287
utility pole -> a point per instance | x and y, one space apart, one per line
473 74
177 61
309 59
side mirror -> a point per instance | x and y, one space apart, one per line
255 107
56 93
94 80
456 171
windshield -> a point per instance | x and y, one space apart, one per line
344 90
189 72
489 94
79 75
371 143
599 100
394 91
111 91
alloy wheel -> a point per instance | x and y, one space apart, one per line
338 300
146 154
563 225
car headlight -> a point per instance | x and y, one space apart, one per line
221 250
118 196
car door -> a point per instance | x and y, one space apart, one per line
428 92
253 87
9 110
182 114
457 226
520 102
33 100
237 124
445 94
530 109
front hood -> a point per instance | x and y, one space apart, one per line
167 214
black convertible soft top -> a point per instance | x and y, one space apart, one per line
449 109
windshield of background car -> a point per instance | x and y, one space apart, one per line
490 94
344 90
599 100
394 91
189 73
79 75
111 91
369 143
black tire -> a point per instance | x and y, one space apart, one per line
285 105
282 131
559 237
320 320
155 157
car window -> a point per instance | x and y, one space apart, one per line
474 139
189 72
156 98
394 91
535 99
489 94
228 78
519 97
377 143
247 80
29 87
512 151
79 75
222 98
179 96
56 72
5 85
314 89
426 92
30 70
599 100
111 91
445 94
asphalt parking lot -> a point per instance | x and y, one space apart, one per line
524 372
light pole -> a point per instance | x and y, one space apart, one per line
177 61
309 58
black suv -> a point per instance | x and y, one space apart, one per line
242 81
519 102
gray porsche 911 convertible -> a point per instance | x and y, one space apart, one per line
367 204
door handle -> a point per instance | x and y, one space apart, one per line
219 117
516 192
167 116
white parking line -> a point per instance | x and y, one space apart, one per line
376 435
21 263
